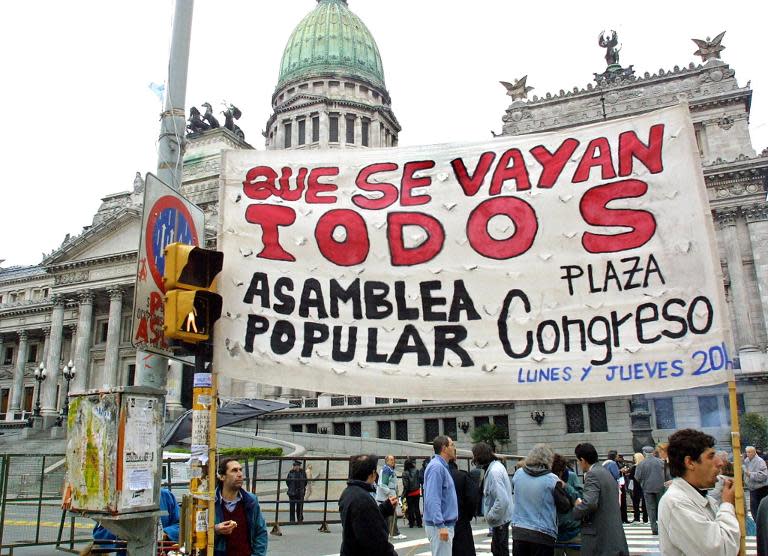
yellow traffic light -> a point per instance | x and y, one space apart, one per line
191 308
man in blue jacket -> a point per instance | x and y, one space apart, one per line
169 522
240 527
441 507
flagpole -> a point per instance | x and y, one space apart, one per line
738 481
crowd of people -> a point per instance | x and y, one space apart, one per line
683 487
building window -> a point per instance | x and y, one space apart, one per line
355 429
401 430
449 427
311 428
288 128
337 401
665 413
364 132
302 131
384 429
339 429
574 418
131 375
350 130
739 404
126 330
598 420
32 353
333 128
310 402
482 420
354 400
296 428
502 422
431 430
8 359
708 411
315 129
381 401
399 400
102 329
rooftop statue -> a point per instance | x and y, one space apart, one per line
518 90
231 114
195 122
610 43
709 49
209 117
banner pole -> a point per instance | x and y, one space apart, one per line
212 461
738 481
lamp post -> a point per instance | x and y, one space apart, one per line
69 374
39 377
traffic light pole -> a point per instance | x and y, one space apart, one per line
151 369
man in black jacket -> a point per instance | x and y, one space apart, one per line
468 496
297 486
363 521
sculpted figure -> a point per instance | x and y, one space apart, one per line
610 43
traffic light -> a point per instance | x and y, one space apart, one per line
191 305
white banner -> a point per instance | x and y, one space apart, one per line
580 263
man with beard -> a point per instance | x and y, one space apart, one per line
240 528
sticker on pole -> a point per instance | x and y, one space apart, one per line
168 217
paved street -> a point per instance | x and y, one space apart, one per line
301 540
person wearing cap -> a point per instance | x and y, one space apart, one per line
297 487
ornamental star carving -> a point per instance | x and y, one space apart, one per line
709 48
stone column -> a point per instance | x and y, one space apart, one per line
359 131
744 333
280 135
324 128
46 343
375 131
82 357
18 377
53 359
295 133
342 129
757 224
173 387
1 346
112 353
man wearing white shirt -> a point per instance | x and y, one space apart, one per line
690 522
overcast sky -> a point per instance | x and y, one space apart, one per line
79 119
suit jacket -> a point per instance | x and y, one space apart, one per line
602 533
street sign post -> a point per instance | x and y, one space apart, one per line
168 217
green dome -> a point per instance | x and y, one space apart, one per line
331 39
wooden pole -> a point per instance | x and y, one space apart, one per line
212 462
738 481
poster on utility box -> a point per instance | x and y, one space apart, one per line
577 263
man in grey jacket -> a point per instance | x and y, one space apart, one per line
756 475
602 533
650 474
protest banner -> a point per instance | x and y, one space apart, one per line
578 263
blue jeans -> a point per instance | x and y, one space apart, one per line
438 547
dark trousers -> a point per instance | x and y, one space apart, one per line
652 503
500 540
755 496
623 498
525 548
414 513
638 503
296 504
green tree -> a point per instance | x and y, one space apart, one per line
491 434
754 431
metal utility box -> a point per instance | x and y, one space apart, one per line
114 457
